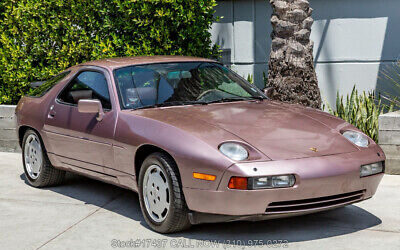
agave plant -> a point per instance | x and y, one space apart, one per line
250 78
361 110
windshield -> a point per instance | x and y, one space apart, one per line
170 84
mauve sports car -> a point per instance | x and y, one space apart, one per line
195 140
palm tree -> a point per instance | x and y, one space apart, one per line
291 68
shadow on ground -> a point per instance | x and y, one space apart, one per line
296 229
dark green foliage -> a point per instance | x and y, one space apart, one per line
39 38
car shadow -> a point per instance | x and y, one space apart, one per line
321 225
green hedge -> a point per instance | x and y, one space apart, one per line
39 38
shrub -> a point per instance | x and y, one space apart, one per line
39 38
360 110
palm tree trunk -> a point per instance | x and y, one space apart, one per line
291 68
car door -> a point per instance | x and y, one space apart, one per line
78 139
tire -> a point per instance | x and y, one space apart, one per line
37 167
176 218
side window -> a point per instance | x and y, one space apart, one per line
87 85
47 85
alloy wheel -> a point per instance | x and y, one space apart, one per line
33 156
156 193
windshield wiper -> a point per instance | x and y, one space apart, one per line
258 97
180 103
234 99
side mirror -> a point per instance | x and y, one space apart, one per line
36 84
92 107
269 92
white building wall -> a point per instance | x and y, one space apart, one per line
354 40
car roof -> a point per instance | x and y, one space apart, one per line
120 62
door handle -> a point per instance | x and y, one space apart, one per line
52 113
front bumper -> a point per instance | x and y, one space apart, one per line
322 183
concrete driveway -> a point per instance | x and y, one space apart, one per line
87 214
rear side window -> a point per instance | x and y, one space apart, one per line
47 85
87 85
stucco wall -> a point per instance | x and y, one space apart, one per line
8 135
354 40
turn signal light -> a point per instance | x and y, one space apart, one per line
238 183
207 177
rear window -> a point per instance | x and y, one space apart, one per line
47 85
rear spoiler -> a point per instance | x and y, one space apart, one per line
36 84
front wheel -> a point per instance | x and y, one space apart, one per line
160 193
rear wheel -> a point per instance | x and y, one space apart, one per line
161 198
38 170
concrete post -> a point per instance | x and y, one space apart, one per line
389 140
8 135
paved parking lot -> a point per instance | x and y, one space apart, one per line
87 214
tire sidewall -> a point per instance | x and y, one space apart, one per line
155 159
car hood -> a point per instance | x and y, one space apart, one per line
280 131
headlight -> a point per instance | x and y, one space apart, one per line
279 181
357 138
234 151
370 169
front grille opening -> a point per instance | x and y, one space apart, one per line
314 203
